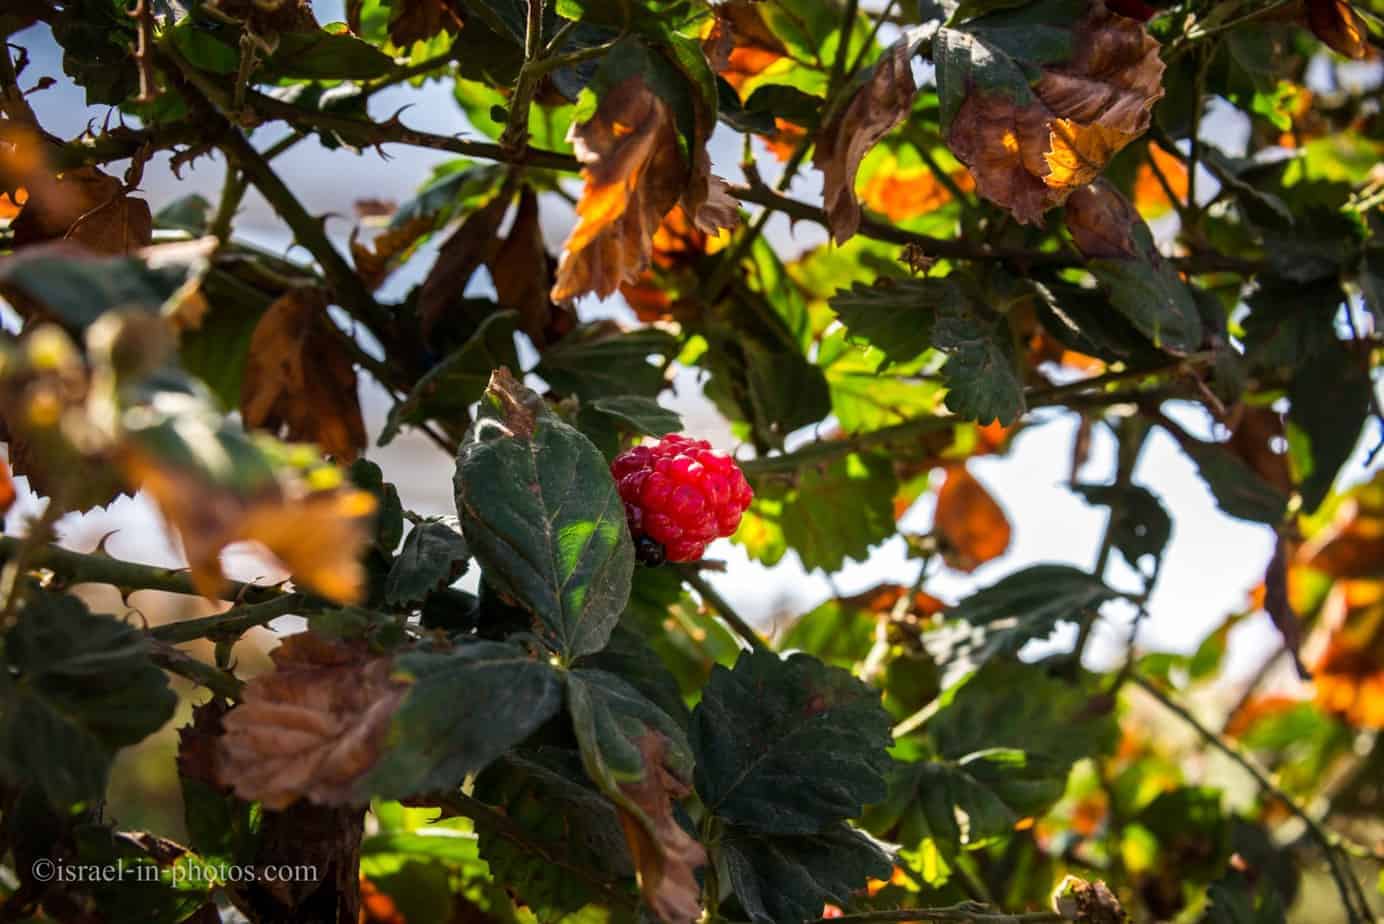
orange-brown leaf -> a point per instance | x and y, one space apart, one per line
1078 153
880 104
312 727
7 492
971 523
665 856
1004 146
417 20
298 377
317 536
740 46
1337 24
633 175
1349 671
1150 198
902 194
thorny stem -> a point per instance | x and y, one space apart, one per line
97 568
1328 842
715 601
963 912
233 622
516 134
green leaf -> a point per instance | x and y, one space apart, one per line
74 689
966 64
636 414
895 315
787 880
1371 280
466 706
991 790
1148 292
595 362
1290 322
389 512
982 376
157 882
610 716
832 514
456 187
331 53
1139 525
1330 400
1028 605
556 821
542 517
1236 900
215 351
191 213
629 657
1238 489
788 745
1012 705
427 562
76 289
448 390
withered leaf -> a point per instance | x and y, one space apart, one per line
7 493
312 727
471 246
376 260
740 45
880 104
317 537
665 856
87 206
522 272
1031 147
1101 221
973 526
633 175
417 20
299 377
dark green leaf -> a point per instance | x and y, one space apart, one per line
389 512
449 389
1139 525
466 706
1371 280
788 745
787 880
982 377
639 415
595 362
896 315
74 689
327 54
1330 399
610 718
158 883
1236 900
1026 606
556 821
76 288
215 351
630 658
1147 290
1290 322
542 517
190 213
1238 489
1013 705
428 561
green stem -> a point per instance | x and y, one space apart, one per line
516 134
838 65
715 601
176 661
233 622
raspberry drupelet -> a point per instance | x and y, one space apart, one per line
679 494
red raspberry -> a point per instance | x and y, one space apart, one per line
681 494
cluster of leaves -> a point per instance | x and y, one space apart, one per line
1040 224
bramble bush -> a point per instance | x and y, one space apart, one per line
1035 215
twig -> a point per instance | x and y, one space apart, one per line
715 601
1329 843
177 661
516 133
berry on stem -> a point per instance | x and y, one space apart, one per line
679 494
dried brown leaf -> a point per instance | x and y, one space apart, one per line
312 727
86 206
880 104
299 377
522 272
376 260
633 175
665 856
1101 221
1337 24
471 246
7 493
740 45
1030 158
417 20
